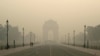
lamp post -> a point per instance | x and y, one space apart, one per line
7 22
1 38
23 37
65 39
30 37
14 44
34 38
74 37
68 38
84 36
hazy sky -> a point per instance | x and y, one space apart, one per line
32 14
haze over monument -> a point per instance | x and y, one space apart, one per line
69 14
52 26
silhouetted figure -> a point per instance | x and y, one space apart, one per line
14 44
31 44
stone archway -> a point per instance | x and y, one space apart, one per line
50 25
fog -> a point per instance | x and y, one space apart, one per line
32 14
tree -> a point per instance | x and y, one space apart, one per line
93 33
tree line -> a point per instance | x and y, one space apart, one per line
14 34
92 37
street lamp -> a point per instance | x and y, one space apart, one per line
84 36
65 39
74 37
7 22
23 37
34 38
30 37
68 38
1 38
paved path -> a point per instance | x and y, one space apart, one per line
50 50
12 50
87 50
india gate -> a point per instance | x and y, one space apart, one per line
50 25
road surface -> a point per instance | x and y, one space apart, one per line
50 50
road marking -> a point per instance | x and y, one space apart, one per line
50 51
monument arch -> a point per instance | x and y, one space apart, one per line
50 25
